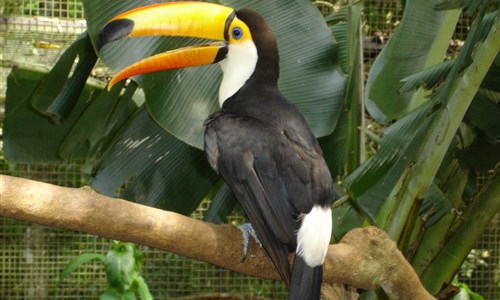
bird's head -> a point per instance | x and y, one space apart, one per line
243 41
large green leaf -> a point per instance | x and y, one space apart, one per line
97 120
25 126
414 141
180 100
58 92
485 109
372 183
99 123
154 168
77 262
90 121
343 148
404 56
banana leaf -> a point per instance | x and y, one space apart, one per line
403 56
33 137
180 100
378 184
148 165
310 77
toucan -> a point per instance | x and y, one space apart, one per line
259 141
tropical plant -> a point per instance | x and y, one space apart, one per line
465 292
420 186
123 264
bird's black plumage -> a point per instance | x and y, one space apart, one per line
264 149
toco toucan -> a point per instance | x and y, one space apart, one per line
259 142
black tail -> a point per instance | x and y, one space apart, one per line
306 281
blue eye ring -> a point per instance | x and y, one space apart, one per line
237 33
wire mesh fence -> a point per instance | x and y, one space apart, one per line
36 32
33 256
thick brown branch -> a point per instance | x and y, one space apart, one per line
364 258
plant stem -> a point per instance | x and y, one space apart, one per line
434 237
476 219
442 131
355 90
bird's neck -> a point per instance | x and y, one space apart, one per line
237 68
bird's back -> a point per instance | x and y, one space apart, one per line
262 146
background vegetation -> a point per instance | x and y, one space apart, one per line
416 176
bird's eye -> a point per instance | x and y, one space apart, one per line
237 33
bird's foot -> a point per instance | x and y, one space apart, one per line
248 231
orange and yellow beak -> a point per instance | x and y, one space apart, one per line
187 19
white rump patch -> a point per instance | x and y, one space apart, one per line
237 67
314 235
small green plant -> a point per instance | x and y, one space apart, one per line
465 292
122 264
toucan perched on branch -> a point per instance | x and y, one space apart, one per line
259 141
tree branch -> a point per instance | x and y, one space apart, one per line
365 258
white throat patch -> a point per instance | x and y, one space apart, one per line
237 68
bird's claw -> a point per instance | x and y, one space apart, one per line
248 231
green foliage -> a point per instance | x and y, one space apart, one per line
465 292
107 130
67 112
168 173
420 186
402 142
78 261
309 72
419 176
123 264
402 56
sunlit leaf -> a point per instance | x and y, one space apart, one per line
402 57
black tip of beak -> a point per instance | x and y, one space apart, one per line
114 31
221 54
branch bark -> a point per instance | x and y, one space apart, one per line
365 258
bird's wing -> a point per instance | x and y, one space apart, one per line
268 174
